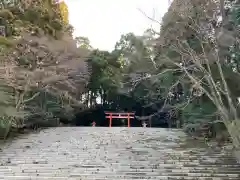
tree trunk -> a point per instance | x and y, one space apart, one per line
87 98
91 99
104 97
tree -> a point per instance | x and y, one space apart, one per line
194 44
194 63
43 72
83 42
105 77
64 12
135 51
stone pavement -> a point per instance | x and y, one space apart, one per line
99 153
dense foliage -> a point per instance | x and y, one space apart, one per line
42 70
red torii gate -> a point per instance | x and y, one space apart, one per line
120 115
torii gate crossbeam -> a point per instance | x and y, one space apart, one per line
114 115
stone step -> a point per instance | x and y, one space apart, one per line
81 177
113 154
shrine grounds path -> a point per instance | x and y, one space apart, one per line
102 153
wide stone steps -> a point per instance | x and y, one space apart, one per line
76 153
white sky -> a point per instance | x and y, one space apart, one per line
104 21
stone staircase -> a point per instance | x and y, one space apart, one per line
89 153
